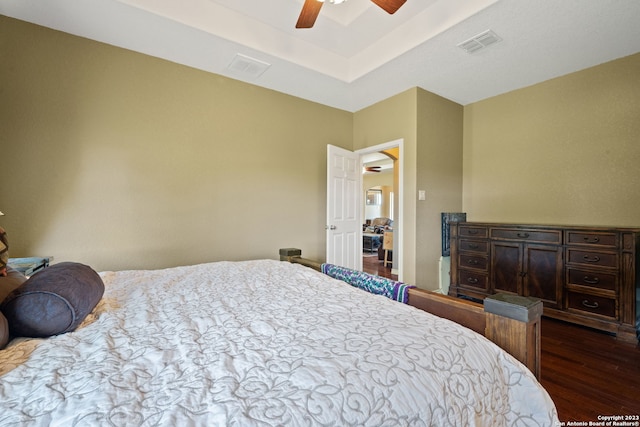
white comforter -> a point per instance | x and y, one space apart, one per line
262 343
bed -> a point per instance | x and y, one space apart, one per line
262 343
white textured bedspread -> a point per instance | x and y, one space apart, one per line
262 343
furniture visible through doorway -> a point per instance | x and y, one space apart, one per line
387 246
372 233
371 242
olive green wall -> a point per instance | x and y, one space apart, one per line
120 160
390 120
439 174
431 128
565 151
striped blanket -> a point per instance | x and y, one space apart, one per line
397 291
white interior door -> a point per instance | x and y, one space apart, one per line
344 231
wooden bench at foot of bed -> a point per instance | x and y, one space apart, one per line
512 322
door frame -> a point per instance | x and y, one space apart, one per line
398 239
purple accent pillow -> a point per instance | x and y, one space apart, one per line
53 301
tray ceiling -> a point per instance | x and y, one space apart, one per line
357 54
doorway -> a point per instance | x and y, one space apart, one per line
378 185
388 160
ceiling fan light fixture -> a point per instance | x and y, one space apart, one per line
311 9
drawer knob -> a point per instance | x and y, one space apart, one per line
472 280
473 245
523 235
591 280
472 262
594 258
587 304
588 239
472 231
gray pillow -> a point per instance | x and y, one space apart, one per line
12 280
53 301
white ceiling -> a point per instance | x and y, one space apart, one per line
379 159
357 54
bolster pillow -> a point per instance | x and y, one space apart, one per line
53 301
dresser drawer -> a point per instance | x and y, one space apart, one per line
592 304
594 279
474 245
469 231
529 235
593 258
471 261
474 280
594 239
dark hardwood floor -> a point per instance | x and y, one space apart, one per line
586 372
372 265
589 373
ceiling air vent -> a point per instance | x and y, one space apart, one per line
247 66
480 41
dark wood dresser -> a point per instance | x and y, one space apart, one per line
584 275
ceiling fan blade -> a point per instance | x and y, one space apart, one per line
309 13
390 6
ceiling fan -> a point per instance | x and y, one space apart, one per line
372 168
311 9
